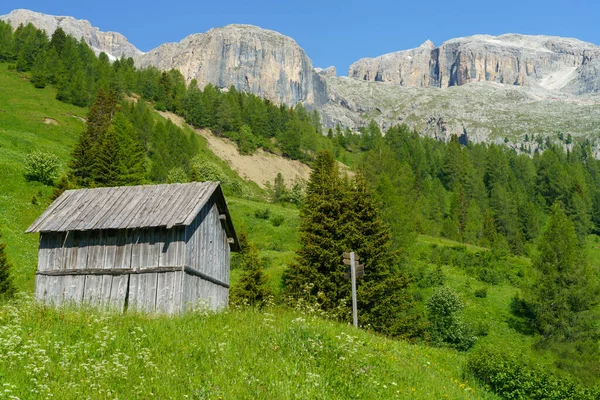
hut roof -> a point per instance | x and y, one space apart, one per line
130 207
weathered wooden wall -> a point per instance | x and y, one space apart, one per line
131 249
201 246
207 251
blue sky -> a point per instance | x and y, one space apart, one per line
332 32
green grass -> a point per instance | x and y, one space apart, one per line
275 243
273 354
23 110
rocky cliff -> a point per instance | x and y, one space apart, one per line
113 44
551 63
252 59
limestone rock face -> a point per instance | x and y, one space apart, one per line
551 63
329 71
112 43
252 59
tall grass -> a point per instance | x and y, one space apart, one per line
72 353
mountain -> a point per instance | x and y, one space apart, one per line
482 88
552 63
112 43
252 59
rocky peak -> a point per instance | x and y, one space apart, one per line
547 62
112 43
253 59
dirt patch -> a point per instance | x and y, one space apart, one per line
50 121
260 167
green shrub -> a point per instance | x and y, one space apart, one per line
511 378
481 293
446 326
263 213
42 167
277 220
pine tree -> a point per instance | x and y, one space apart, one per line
385 303
107 167
339 216
7 288
317 270
131 154
252 286
566 290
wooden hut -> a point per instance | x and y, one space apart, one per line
153 248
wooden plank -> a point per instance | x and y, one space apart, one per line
40 287
96 250
82 210
112 272
43 251
123 249
107 281
118 292
56 205
133 292
62 217
158 212
142 212
204 197
164 289
138 196
53 289
81 240
137 242
103 211
196 198
92 292
149 291
179 203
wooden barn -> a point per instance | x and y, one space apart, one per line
153 248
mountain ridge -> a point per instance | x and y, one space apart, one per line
491 88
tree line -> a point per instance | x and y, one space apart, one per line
78 74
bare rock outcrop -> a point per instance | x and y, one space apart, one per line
252 59
329 71
551 63
112 43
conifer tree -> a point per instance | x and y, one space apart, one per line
317 270
252 287
7 288
108 163
566 290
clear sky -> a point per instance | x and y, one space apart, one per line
332 32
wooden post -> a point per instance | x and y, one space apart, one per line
353 278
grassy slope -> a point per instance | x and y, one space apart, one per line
275 354
22 130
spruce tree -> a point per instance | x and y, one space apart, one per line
565 291
7 288
107 168
318 271
338 216
252 286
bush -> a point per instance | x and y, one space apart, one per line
42 167
446 326
277 220
511 378
264 213
481 293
